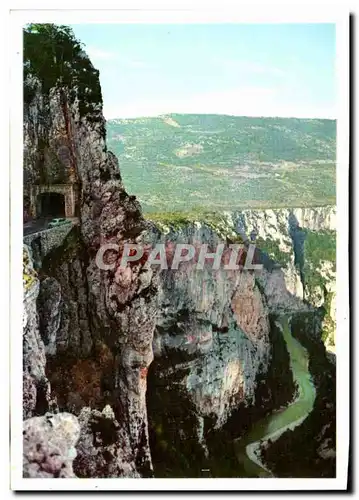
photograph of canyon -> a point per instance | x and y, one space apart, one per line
148 149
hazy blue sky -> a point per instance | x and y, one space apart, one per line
238 69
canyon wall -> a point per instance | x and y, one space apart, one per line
300 241
147 362
303 242
87 315
212 342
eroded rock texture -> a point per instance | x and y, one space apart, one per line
36 387
81 305
213 352
99 450
49 445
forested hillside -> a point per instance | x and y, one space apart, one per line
180 162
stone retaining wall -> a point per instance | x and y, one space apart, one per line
48 239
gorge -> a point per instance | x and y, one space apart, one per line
142 373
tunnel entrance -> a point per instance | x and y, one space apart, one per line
54 200
51 205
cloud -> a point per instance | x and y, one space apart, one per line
221 102
240 101
99 54
248 67
139 64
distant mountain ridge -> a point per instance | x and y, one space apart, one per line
192 161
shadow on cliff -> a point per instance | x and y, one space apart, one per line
309 450
177 449
173 419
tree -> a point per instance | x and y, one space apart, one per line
57 59
50 52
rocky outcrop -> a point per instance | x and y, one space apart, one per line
214 325
101 449
63 300
90 304
300 244
49 445
213 349
213 345
36 387
43 242
302 240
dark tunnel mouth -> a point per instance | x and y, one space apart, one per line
51 205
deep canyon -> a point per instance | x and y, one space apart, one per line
149 373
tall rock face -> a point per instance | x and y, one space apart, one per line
214 346
218 321
214 322
213 350
276 232
36 386
300 242
303 242
82 308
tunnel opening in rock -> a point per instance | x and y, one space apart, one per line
51 205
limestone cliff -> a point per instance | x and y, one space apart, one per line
36 387
83 307
183 352
213 349
212 344
301 242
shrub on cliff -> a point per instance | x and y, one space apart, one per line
56 58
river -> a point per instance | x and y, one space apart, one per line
273 425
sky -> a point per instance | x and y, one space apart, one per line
236 69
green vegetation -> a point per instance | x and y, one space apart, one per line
177 220
319 247
56 58
328 325
29 275
271 247
319 269
181 162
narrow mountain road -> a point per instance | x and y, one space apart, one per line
273 426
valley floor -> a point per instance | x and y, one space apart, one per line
274 425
